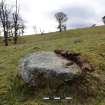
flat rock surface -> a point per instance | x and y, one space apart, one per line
40 67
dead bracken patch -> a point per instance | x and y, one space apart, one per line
76 58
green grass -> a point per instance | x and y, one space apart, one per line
89 42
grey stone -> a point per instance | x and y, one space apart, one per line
47 68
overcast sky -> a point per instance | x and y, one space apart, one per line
40 13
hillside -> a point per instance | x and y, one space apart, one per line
90 42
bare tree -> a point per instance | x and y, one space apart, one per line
21 28
61 18
18 24
4 17
15 23
11 22
35 29
41 31
103 18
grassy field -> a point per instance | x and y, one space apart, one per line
89 42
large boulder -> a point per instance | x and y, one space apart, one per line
47 68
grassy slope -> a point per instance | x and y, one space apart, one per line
91 44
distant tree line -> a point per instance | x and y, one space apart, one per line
11 22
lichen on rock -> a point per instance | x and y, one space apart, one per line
43 68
